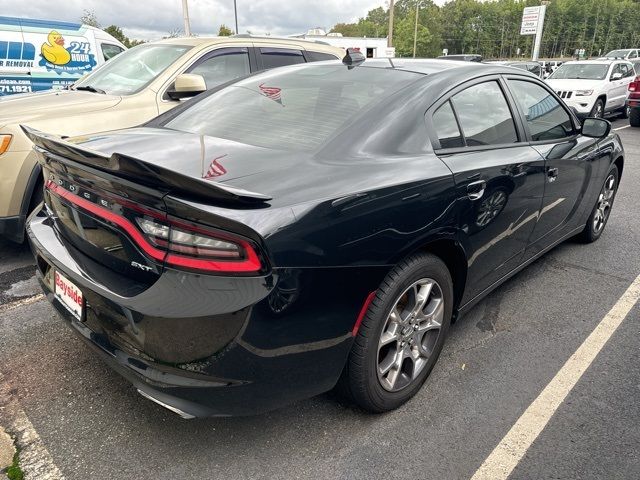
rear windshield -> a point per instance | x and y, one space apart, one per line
617 53
294 108
582 71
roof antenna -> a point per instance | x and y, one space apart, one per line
352 58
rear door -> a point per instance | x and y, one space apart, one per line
499 177
570 159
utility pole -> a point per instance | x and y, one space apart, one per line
415 31
185 16
235 11
390 36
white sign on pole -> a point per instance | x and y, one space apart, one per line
530 19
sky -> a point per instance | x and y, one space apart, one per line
153 19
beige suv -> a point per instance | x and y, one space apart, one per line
131 89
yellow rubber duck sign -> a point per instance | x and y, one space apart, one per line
53 51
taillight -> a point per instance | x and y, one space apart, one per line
195 247
177 243
635 85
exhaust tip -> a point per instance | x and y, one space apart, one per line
183 414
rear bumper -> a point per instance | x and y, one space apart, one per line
233 354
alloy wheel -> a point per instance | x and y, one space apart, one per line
410 334
598 111
491 208
603 207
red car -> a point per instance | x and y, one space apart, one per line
633 102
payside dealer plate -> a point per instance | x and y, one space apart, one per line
68 294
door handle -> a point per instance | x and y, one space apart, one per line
475 190
552 174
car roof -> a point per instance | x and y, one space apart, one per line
456 69
600 61
211 41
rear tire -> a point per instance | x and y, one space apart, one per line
401 335
634 117
602 209
624 113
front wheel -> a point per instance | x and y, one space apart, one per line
602 209
401 335
598 109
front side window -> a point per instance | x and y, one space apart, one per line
133 70
223 66
484 115
546 118
280 57
446 126
617 68
290 109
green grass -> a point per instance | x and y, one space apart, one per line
14 472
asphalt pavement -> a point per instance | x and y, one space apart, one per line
91 424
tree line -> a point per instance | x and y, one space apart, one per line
492 28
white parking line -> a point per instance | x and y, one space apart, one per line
35 459
620 128
508 453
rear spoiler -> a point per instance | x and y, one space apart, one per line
139 171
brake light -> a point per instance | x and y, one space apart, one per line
177 243
634 86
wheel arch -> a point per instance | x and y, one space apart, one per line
619 162
454 257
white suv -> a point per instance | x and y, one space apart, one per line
593 87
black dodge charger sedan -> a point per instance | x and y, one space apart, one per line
312 226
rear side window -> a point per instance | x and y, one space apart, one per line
222 66
546 118
446 127
279 57
319 57
484 115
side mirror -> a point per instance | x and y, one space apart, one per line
596 127
616 76
187 85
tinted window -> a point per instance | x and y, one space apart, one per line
291 109
546 118
223 66
279 57
110 51
484 115
446 126
318 56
